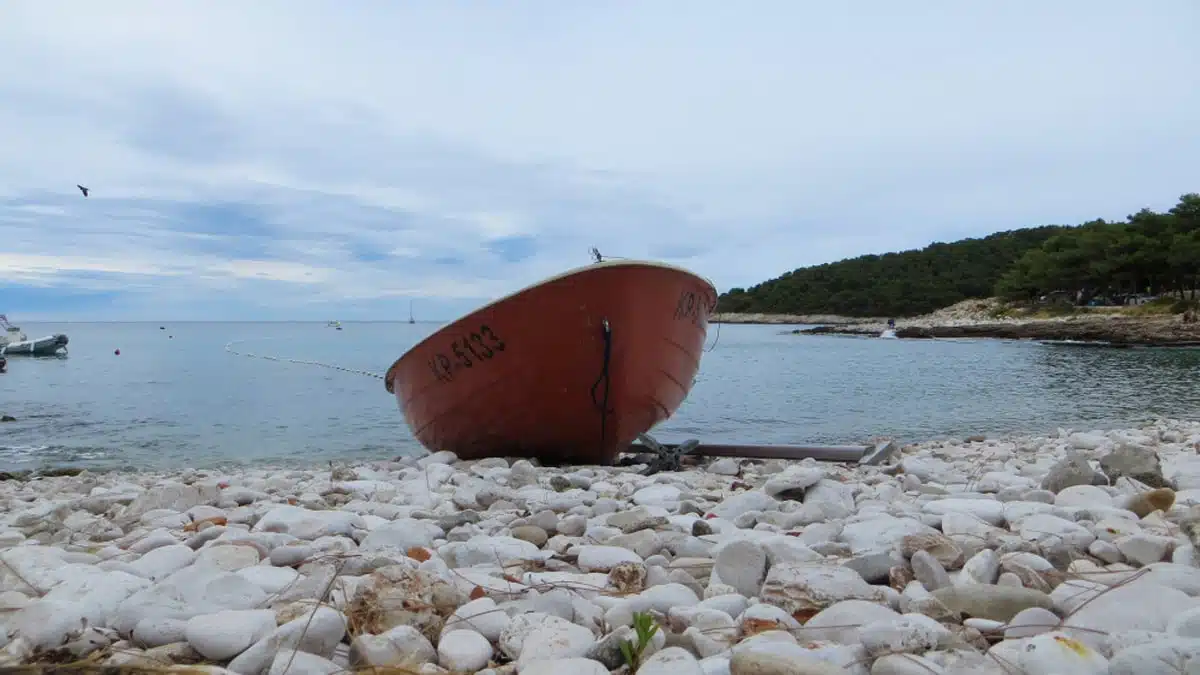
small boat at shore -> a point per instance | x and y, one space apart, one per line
571 369
13 342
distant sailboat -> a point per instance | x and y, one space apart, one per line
410 314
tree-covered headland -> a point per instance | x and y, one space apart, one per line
1098 262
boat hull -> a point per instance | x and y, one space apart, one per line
538 374
49 345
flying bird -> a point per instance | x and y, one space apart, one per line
83 190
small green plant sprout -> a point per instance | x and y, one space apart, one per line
644 629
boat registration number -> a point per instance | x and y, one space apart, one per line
693 307
466 351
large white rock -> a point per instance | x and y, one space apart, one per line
1053 653
604 558
223 635
810 588
305 524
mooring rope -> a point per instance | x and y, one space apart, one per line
715 340
597 257
229 348
601 403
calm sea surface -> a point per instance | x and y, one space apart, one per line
175 397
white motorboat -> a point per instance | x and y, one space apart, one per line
13 342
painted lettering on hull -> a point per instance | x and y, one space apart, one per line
693 307
472 349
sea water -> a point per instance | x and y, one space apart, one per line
175 397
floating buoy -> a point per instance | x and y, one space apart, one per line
117 352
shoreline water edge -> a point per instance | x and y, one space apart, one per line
1073 552
979 319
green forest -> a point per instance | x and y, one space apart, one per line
1096 262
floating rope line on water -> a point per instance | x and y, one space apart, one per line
229 348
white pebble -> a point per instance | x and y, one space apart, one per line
463 650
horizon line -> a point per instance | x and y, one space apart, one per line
178 321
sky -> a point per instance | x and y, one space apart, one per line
310 160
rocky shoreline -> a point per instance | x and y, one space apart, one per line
788 319
1073 553
986 318
1116 331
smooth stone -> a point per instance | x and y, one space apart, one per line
905 664
900 635
399 646
532 534
555 639
223 635
743 565
671 661
569 666
998 603
317 632
841 621
988 510
463 650
1140 604
981 568
1030 622
810 588
779 659
1055 652
480 615
658 494
929 571
1144 549
160 631
632 520
726 466
1170 655
292 662
603 558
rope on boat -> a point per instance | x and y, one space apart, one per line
601 403
601 258
229 348
715 340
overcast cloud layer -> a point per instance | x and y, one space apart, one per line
313 160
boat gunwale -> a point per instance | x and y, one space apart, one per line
389 377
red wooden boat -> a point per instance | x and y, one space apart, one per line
571 369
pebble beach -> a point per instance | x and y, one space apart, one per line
1069 554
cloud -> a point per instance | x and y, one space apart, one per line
513 249
301 160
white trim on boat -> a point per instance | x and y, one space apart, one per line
563 275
